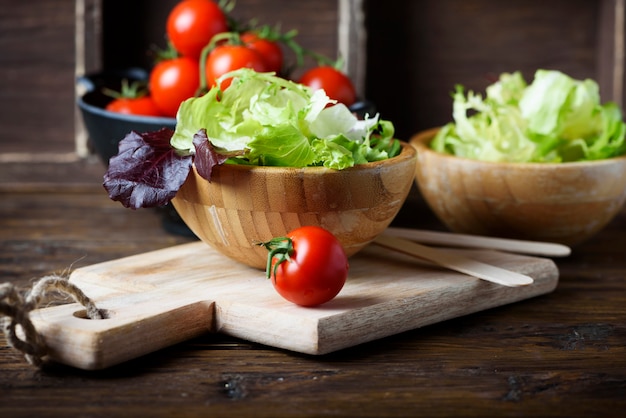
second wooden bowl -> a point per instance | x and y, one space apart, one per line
559 202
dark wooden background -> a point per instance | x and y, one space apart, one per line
562 354
416 52
36 76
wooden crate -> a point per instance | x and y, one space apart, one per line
413 54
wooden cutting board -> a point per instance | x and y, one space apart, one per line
163 297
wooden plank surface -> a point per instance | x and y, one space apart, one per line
560 355
167 296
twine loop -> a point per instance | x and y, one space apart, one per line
15 308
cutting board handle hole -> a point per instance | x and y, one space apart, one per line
82 314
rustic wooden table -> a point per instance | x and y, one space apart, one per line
562 354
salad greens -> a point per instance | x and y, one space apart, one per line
261 119
554 119
274 121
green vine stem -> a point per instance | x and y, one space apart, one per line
281 248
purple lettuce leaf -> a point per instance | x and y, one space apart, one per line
207 157
147 171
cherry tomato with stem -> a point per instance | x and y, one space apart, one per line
143 106
270 51
308 267
172 81
191 24
225 58
132 100
336 84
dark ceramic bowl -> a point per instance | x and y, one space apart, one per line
106 129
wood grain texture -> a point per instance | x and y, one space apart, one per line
559 355
37 77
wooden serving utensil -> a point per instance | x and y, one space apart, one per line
455 262
547 249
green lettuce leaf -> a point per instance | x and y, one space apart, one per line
554 119
278 122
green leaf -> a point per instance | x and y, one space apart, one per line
274 121
555 118
281 145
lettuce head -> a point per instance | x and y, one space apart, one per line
274 121
554 119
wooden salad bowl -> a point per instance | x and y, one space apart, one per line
559 202
244 205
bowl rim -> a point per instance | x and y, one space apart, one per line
421 140
157 120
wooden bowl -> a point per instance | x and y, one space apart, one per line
558 202
243 205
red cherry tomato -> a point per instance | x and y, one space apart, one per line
144 106
192 23
335 83
225 58
316 269
270 51
173 81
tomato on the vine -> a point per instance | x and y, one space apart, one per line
144 106
192 23
172 81
132 99
225 58
336 84
308 267
270 51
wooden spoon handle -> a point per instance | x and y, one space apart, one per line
455 262
476 241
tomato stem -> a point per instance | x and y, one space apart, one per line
169 53
273 34
289 40
227 6
280 248
134 90
230 37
